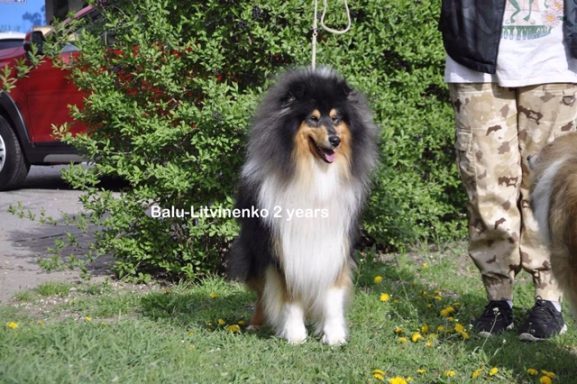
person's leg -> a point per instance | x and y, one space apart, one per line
545 112
489 165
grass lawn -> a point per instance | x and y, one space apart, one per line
413 326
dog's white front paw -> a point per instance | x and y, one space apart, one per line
335 334
294 333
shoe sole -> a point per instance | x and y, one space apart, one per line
532 338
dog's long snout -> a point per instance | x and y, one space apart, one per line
334 140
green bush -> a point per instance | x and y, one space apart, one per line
170 104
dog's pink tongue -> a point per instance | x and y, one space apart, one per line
329 157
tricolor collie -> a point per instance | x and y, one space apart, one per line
554 202
311 150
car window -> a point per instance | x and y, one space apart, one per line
10 43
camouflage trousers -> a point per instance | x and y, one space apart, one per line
496 129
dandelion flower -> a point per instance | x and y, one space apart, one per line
221 322
549 374
87 318
493 371
416 336
403 340
441 329
476 373
447 311
384 297
421 371
398 380
233 328
450 373
213 295
378 279
398 330
425 265
12 325
425 328
545 380
532 371
379 374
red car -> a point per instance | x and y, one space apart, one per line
29 111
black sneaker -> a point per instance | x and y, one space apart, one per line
543 322
496 318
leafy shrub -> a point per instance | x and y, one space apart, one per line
170 103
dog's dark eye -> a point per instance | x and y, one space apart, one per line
313 120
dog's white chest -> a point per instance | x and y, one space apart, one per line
311 223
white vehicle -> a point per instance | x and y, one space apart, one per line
11 39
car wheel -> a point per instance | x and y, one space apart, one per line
13 166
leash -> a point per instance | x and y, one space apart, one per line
324 26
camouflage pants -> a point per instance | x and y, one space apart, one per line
496 129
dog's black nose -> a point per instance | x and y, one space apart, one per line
334 140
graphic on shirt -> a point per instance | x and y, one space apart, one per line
531 19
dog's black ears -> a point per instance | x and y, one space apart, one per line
287 100
345 89
295 92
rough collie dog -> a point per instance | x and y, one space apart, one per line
311 150
554 202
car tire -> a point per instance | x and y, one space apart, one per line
13 166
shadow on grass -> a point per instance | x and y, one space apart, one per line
197 309
505 350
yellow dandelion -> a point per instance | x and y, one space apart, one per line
233 328
545 380
213 295
421 371
398 330
403 340
459 328
398 380
465 335
425 328
429 344
416 336
241 322
447 311
87 318
379 374
384 297
441 328
476 373
425 265
493 371
221 322
549 374
438 297
11 325
450 373
532 371
378 279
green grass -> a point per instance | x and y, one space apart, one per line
105 333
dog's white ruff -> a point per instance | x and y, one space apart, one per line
314 249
